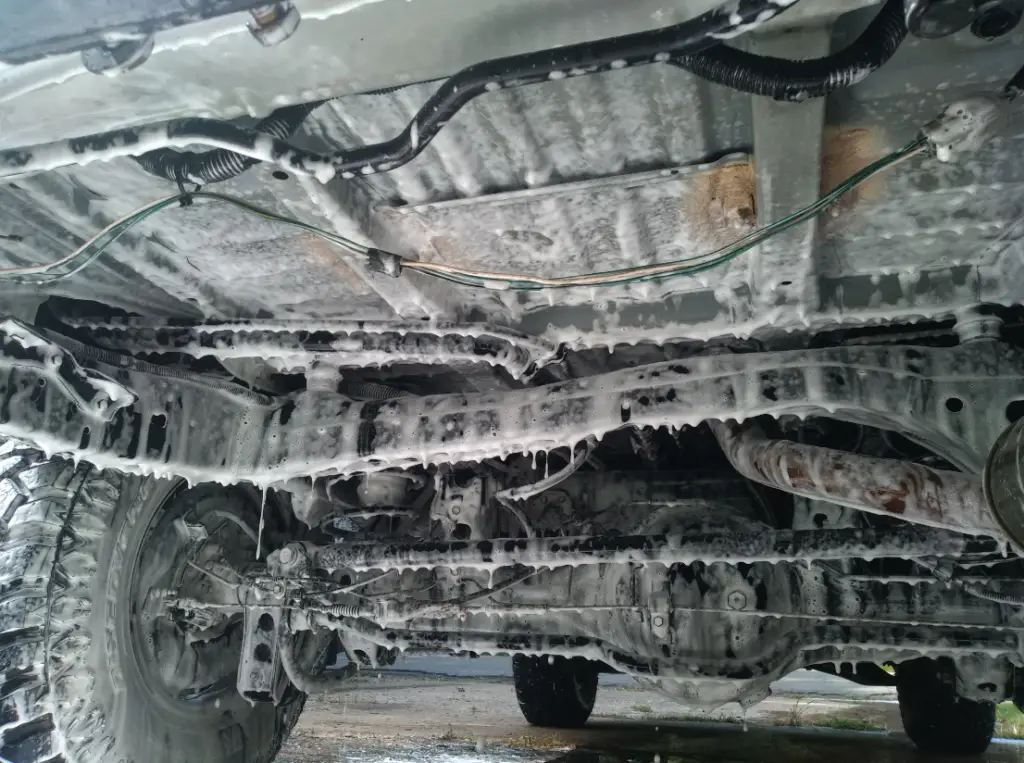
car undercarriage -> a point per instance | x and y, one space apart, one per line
683 343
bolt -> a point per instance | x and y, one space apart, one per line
737 600
273 24
112 59
658 621
286 555
932 19
456 511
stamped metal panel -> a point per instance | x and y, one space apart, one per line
203 259
623 221
216 69
568 177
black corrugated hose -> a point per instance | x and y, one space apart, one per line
787 80
220 164
777 78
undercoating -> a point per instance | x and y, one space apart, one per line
677 579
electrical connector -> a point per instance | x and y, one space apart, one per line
380 261
965 126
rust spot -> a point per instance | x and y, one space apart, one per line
325 257
894 505
720 207
796 473
846 150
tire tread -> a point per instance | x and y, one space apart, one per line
54 519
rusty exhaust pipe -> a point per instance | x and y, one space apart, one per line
901 489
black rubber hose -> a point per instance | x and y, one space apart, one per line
219 165
788 80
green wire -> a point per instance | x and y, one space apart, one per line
98 246
685 267
730 251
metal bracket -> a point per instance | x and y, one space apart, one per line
787 151
660 609
461 502
261 676
24 349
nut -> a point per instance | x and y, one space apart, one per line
737 600
273 24
995 18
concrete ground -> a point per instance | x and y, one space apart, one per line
444 710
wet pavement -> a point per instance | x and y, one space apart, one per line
648 742
452 711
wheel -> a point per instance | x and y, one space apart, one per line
555 691
935 718
91 671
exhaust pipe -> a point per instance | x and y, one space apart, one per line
908 491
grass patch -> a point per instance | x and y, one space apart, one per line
698 718
1009 721
642 708
848 724
531 742
452 736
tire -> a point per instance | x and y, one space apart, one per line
554 691
73 688
935 718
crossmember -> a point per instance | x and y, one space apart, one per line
173 422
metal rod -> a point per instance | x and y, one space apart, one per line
768 546
901 489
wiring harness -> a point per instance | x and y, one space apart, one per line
777 78
788 80
394 264
684 45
